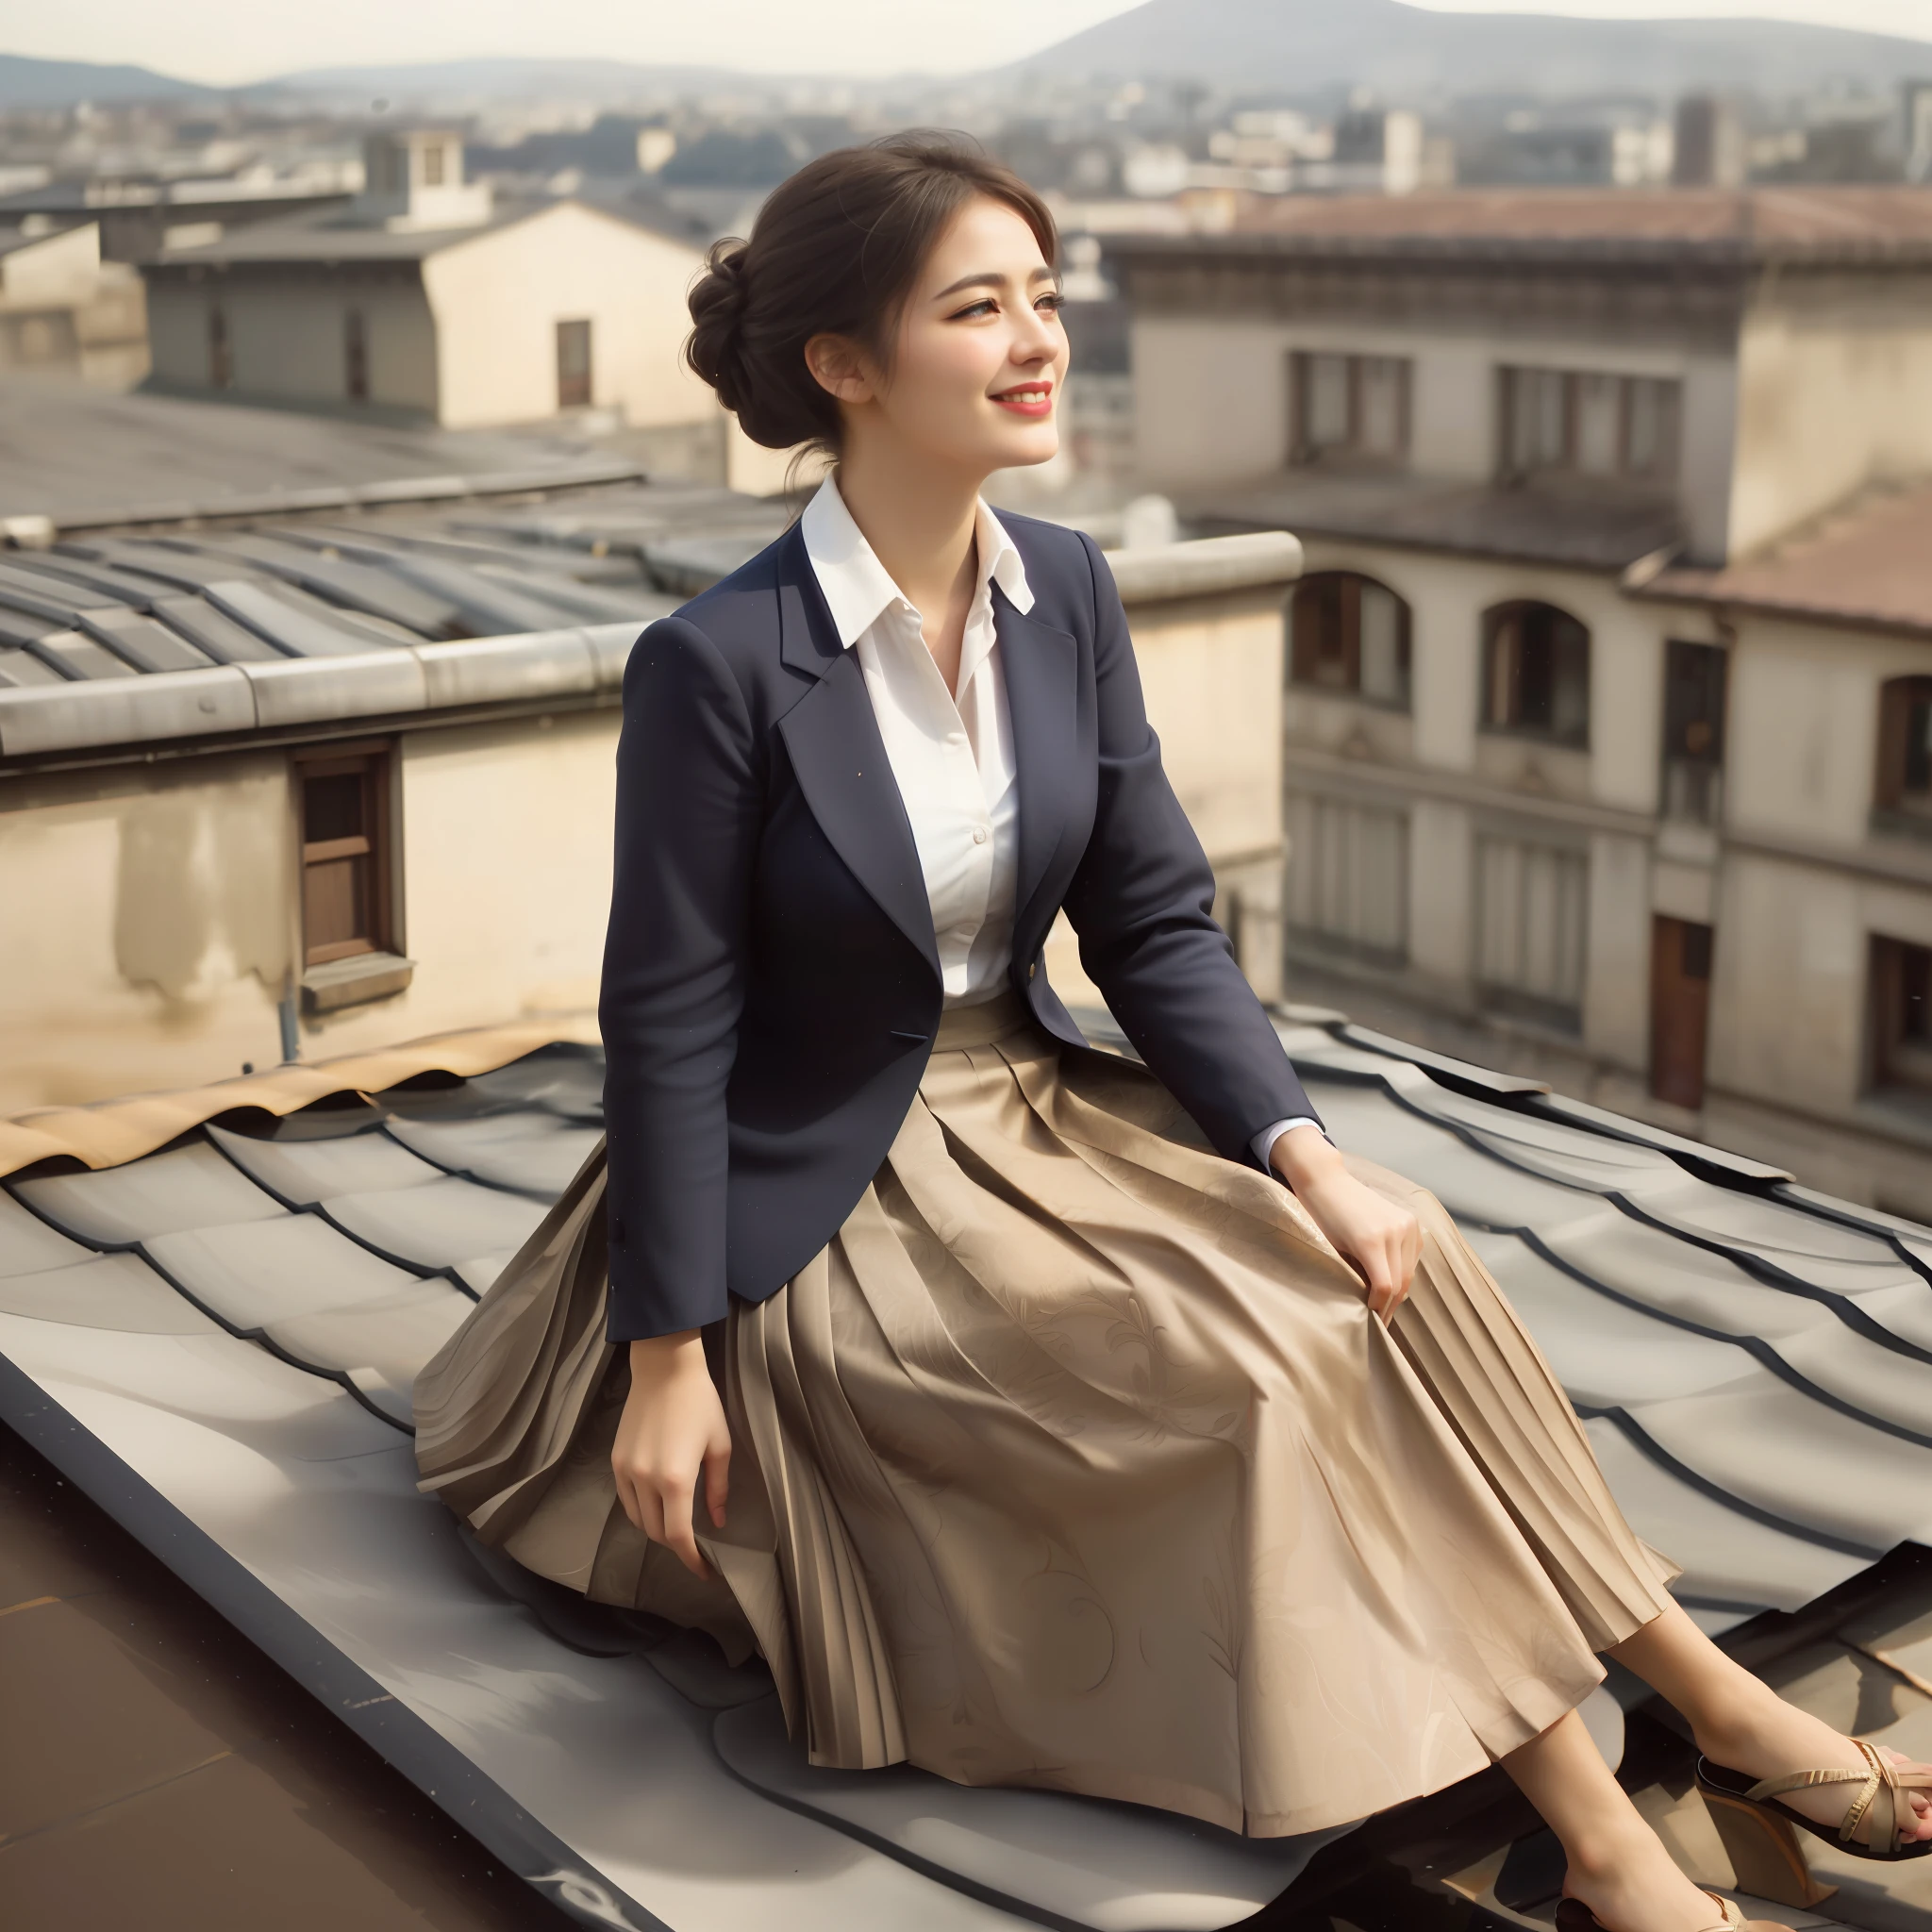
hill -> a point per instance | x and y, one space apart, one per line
1409 52
27 83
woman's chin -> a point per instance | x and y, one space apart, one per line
1026 452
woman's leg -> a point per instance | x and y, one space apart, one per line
1738 1720
1618 1866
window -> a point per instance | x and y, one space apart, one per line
573 365
1679 1008
1904 754
345 883
1536 672
1588 425
1694 678
1348 405
356 357
1348 876
432 165
220 360
1532 907
1348 633
1901 1027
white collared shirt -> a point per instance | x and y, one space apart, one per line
951 758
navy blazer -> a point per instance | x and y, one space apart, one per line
770 979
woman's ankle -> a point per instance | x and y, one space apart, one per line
1611 1848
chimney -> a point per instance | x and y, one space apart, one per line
413 179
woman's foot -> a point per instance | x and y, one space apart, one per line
1628 1880
1765 1737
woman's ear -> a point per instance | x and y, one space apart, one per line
841 368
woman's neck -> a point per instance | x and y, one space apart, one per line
919 518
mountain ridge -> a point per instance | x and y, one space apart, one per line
1410 51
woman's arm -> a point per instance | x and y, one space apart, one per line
688 810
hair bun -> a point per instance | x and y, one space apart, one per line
717 302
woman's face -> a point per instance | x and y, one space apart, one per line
981 353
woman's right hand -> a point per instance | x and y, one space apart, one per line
672 1432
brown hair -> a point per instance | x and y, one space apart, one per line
835 250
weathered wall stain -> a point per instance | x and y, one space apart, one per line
202 885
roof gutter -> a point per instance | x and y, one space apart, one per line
530 668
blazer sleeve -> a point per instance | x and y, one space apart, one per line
689 809
1142 902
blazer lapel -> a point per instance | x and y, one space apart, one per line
1040 665
839 759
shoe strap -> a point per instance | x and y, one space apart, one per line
1733 1919
1880 1793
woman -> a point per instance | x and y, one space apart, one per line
1041 1420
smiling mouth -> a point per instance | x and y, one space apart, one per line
1026 398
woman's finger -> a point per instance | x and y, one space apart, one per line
718 1481
678 1494
627 1495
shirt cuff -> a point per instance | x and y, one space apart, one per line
1263 1142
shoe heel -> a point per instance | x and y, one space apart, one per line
1766 1857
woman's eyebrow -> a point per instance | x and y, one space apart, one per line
991 278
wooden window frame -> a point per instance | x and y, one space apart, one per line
1509 405
1494 621
1898 697
575 401
1301 452
1898 970
373 759
1351 584
356 354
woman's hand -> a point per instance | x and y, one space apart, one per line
672 1430
1381 1241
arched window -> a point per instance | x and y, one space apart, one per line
1536 672
1905 747
1348 633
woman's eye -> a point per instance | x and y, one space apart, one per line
1053 303
983 306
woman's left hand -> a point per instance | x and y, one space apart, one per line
1381 1241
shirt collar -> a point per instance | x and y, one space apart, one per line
855 584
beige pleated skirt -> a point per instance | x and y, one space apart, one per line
1075 1459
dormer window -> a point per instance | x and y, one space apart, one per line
433 164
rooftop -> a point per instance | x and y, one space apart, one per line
1822 225
374 600
212 1307
1868 563
1587 529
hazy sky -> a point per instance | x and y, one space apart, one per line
227 41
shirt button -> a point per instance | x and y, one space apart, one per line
979 834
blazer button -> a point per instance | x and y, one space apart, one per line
1033 969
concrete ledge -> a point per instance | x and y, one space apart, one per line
610 645
123 710
350 982
1205 565
480 671
313 691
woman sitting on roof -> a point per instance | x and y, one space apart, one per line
1042 1418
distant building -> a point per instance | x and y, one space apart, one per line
134 215
1607 716
64 311
1710 150
1916 126
425 300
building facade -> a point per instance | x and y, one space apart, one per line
1605 726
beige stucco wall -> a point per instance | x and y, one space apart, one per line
1835 389
497 300
160 909
149 931
287 338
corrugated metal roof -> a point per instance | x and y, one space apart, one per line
224 1332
